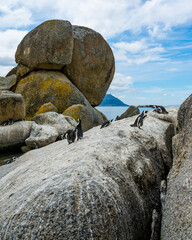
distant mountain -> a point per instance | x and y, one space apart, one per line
110 100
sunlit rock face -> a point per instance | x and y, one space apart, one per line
104 186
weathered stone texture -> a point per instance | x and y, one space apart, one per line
58 121
92 67
88 115
41 87
13 137
177 214
48 46
104 186
12 106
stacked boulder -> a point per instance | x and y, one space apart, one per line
12 109
70 67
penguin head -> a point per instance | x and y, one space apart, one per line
144 112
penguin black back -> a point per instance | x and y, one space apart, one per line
70 135
160 109
79 130
139 120
106 124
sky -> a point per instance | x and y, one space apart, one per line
151 41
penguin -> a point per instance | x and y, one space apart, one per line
155 225
60 137
163 190
79 130
10 160
70 135
117 118
139 120
159 109
36 145
9 122
106 124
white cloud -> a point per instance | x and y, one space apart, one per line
108 17
4 70
121 83
9 41
132 47
138 52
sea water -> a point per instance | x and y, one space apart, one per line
113 112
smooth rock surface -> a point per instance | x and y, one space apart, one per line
12 137
93 65
104 186
41 135
12 106
48 46
56 120
177 213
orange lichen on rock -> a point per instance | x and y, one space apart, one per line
88 115
47 107
75 111
41 87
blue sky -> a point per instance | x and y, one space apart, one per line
151 41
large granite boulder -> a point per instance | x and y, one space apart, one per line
104 186
12 106
48 46
88 115
92 67
40 87
177 214
13 137
58 121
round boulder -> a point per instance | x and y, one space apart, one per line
56 120
89 117
41 87
47 107
92 67
41 135
13 137
48 46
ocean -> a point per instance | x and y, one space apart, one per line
113 112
